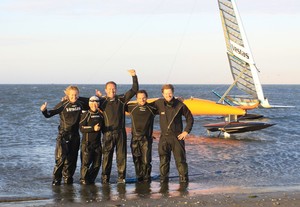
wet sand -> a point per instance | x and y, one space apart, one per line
155 194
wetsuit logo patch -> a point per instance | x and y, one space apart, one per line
95 116
142 108
73 109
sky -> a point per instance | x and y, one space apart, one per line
165 41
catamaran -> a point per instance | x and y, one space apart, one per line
245 77
242 65
244 73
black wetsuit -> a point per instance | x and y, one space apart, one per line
68 139
171 126
142 118
114 133
91 149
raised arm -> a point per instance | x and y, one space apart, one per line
44 106
135 86
49 113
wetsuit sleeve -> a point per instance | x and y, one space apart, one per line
129 107
85 102
155 104
189 119
135 87
83 124
153 107
56 110
101 101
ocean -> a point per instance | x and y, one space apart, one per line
269 157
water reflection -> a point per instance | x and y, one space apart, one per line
64 193
183 189
113 192
170 189
68 194
89 193
164 189
143 189
106 191
121 188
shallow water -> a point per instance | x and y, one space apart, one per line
270 157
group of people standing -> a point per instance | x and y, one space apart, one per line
105 115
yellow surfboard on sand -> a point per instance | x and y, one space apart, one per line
201 107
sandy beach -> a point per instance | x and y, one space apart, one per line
283 198
172 194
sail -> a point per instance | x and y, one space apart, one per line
242 65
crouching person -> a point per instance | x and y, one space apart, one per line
91 149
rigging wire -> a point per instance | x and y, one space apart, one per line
131 35
181 41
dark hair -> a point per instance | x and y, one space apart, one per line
167 86
110 82
142 91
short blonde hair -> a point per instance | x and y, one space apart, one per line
71 87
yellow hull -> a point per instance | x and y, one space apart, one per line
200 107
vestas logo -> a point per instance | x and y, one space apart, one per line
239 51
73 109
95 116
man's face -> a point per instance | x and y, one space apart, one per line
110 90
141 99
167 94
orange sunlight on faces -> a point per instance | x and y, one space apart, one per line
141 99
168 94
110 90
73 96
93 105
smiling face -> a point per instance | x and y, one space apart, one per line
168 94
141 99
72 95
93 104
110 90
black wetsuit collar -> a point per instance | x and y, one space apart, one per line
170 103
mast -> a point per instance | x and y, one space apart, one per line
239 53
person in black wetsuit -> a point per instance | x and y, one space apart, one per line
68 139
114 132
173 134
90 124
142 117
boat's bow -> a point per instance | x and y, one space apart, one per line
200 107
